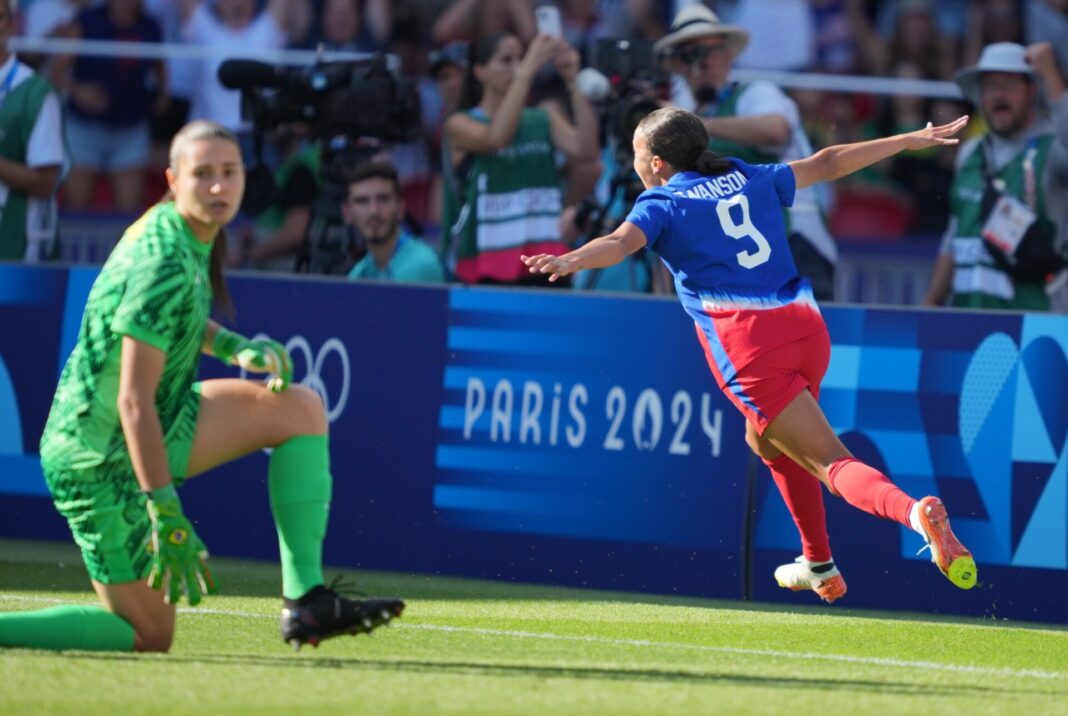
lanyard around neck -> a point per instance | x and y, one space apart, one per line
6 87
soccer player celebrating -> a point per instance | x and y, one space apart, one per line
717 225
129 424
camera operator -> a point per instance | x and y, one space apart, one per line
503 194
240 25
374 207
273 239
755 122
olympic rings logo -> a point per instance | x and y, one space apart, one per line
298 345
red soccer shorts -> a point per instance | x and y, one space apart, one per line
768 383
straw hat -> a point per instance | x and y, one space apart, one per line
695 21
998 57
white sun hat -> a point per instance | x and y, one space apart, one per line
998 57
694 21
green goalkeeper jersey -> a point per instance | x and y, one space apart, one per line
155 288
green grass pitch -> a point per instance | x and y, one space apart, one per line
468 647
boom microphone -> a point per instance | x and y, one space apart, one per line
248 74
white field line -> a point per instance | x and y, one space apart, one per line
799 655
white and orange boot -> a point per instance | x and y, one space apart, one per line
821 577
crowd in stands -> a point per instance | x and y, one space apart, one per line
486 81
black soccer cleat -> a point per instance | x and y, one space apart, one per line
328 614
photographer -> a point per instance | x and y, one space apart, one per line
755 122
503 196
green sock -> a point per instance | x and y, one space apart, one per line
299 484
88 628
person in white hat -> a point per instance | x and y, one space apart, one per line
1009 198
756 122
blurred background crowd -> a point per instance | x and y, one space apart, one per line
486 80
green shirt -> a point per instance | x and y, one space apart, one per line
413 260
154 288
18 115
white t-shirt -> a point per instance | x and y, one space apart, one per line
46 148
210 99
781 35
44 16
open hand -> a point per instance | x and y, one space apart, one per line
931 136
555 266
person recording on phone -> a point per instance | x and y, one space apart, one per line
756 122
503 194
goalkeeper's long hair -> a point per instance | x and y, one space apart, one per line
680 139
194 131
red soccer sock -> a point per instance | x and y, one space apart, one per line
803 495
868 489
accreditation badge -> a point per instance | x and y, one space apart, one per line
1007 224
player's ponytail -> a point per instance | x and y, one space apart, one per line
680 139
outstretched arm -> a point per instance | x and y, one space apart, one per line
601 252
842 159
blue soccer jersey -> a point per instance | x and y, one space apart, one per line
724 240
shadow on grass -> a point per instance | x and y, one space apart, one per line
538 671
57 567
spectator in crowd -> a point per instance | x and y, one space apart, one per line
583 22
470 19
781 34
352 26
273 240
835 36
46 19
31 154
109 107
1047 21
755 122
236 25
50 18
171 115
503 195
447 68
1010 194
375 209
991 21
915 37
415 157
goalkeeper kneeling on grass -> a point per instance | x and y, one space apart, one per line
129 423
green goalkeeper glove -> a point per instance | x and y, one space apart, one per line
260 355
179 558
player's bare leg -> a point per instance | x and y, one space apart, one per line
238 417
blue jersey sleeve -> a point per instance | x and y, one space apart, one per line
782 177
652 214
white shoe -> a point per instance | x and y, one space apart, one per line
821 577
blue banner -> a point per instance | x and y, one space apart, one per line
551 437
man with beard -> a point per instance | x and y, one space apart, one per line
1009 197
374 208
755 122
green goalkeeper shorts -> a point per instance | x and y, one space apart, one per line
105 507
